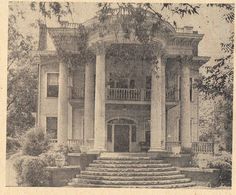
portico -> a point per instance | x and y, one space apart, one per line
149 97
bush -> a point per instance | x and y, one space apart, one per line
13 144
224 163
35 143
31 171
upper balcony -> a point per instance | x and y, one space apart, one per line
127 96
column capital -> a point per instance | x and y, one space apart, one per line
184 59
99 47
158 49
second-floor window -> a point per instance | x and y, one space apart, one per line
52 84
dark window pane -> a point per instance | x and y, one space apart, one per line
51 127
148 82
191 89
133 137
109 133
52 84
52 91
147 137
132 84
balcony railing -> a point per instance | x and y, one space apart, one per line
203 147
125 94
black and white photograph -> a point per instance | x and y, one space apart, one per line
119 95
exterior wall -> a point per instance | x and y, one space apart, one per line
44 101
173 114
77 123
138 113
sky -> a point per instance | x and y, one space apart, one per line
209 22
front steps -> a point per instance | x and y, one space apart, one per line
130 171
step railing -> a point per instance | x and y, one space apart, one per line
52 141
203 147
75 144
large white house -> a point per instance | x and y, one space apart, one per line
119 102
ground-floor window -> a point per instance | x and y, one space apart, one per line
51 127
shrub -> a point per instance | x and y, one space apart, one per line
224 163
49 158
202 160
35 143
13 144
31 171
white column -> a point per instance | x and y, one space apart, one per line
185 104
99 122
156 107
63 104
89 103
163 96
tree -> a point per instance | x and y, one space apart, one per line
22 68
22 77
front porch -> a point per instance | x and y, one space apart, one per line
196 147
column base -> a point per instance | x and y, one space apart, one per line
159 149
98 150
158 153
186 148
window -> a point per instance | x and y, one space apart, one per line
133 133
132 84
52 84
109 133
51 125
148 82
147 137
179 128
179 87
191 89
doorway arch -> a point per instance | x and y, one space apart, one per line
121 132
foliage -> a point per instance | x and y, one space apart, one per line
13 144
31 171
200 158
22 77
35 143
224 163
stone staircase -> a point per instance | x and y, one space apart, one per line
130 171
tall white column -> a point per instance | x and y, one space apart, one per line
185 107
163 96
99 122
63 104
89 102
156 107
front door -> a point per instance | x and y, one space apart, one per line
121 138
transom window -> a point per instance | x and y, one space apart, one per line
52 84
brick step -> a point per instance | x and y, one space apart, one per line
98 169
128 174
128 161
164 186
107 182
131 178
129 165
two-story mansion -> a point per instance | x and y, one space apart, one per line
119 104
